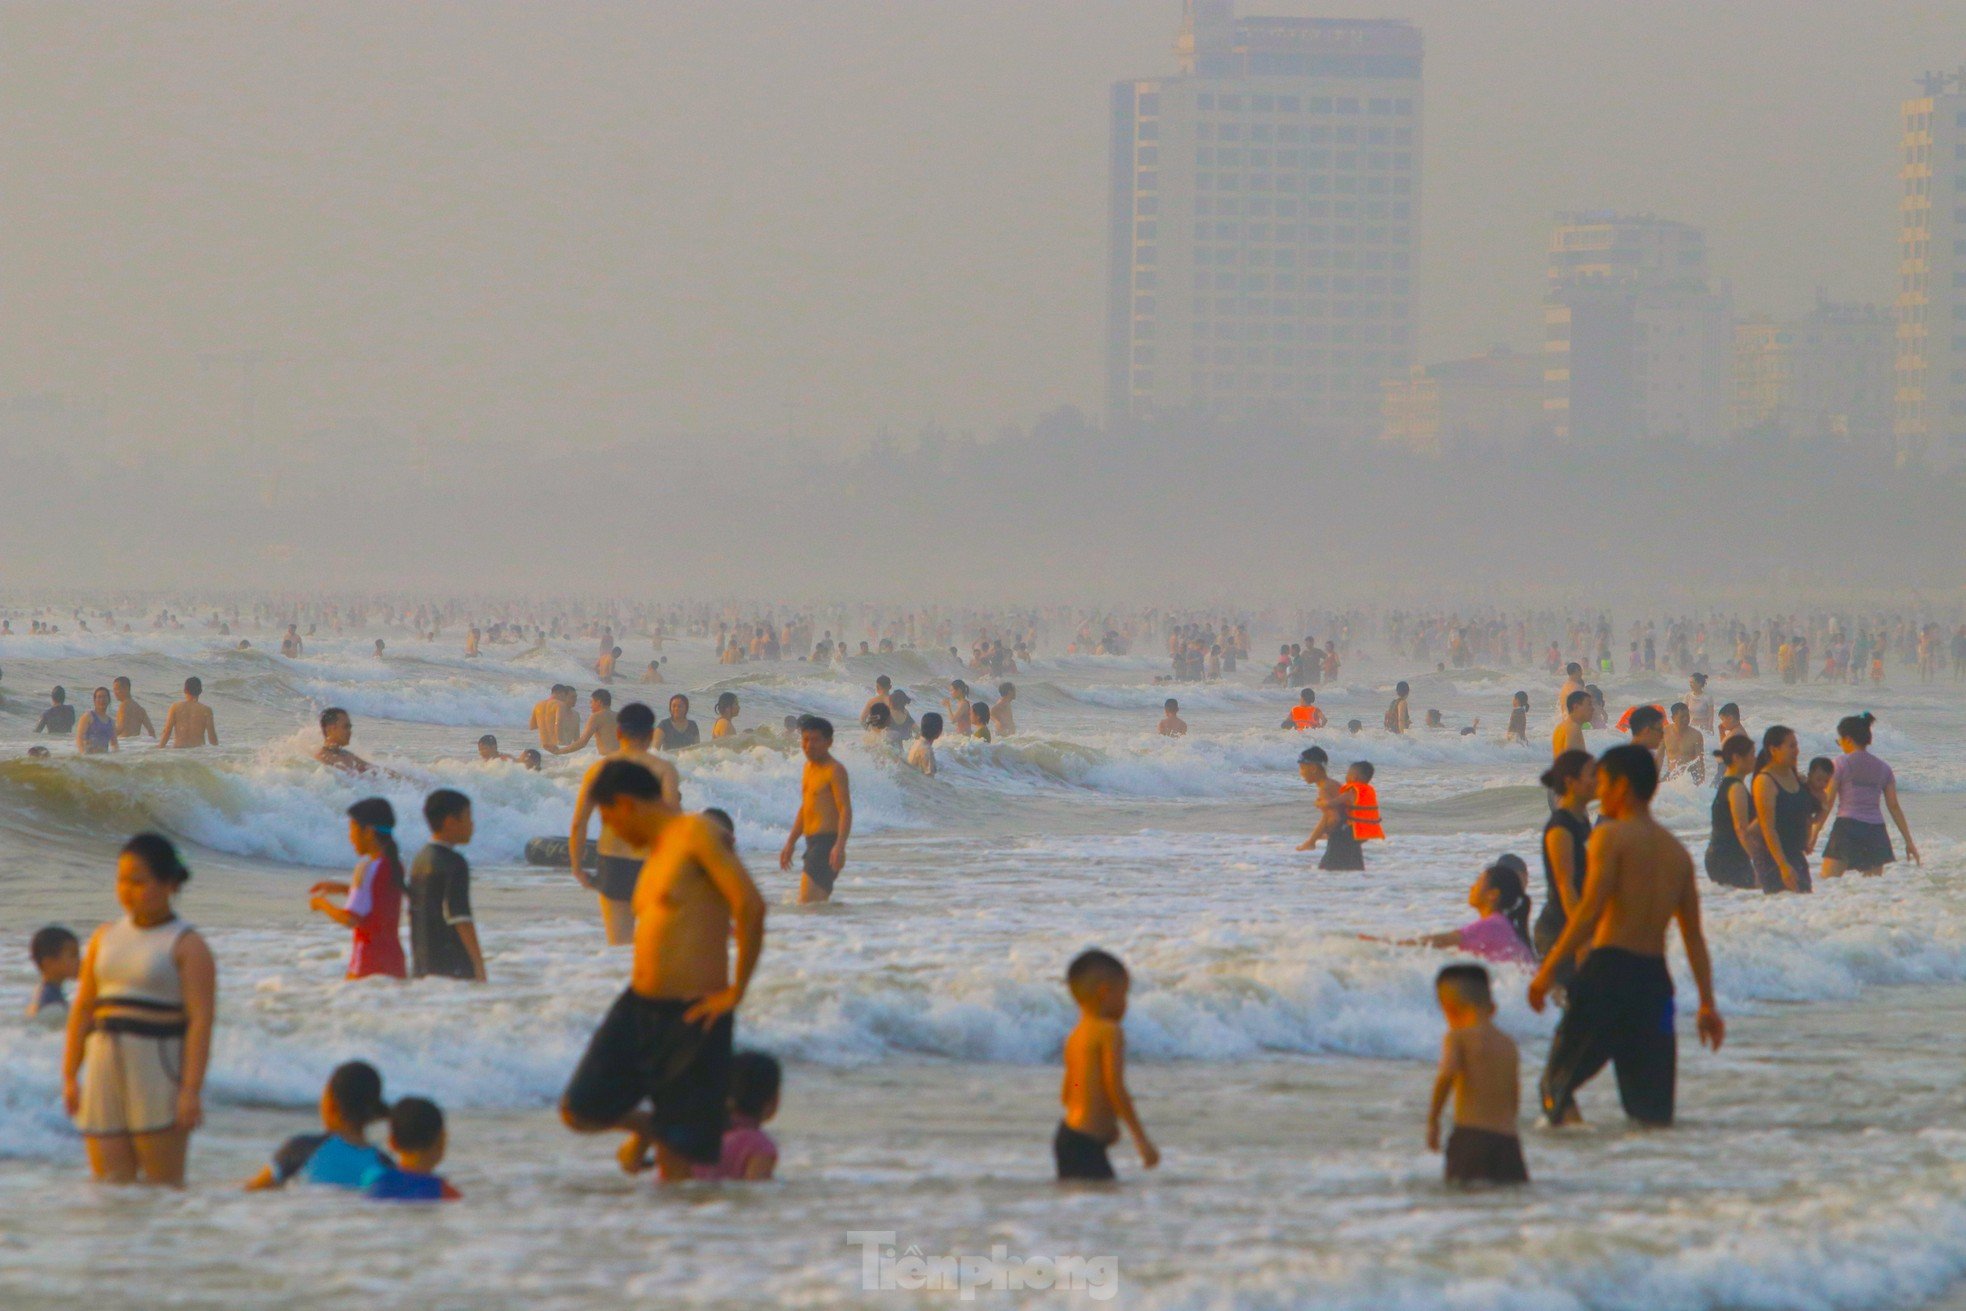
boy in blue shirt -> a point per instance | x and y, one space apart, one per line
416 1135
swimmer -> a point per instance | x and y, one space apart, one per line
1730 723
679 730
1095 1095
1638 881
95 731
1003 715
1499 896
531 759
1518 729
189 723
1480 1069
726 712
691 899
1682 749
132 720
883 692
488 749
620 861
1569 734
1399 716
58 720
979 719
921 753
337 731
599 729
1171 724
825 814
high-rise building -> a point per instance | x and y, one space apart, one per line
1265 215
1826 375
1930 417
1486 403
1638 343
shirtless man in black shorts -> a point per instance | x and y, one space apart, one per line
658 1068
1638 880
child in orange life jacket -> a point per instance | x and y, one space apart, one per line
1305 714
1362 805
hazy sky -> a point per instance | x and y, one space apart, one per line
575 223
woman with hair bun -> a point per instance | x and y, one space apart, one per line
1863 789
140 1031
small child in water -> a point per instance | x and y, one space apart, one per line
342 1157
1478 1067
57 956
1095 1095
416 1135
748 1152
921 752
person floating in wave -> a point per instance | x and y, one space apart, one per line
1095 1095
1480 1070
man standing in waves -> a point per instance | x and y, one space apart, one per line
658 1067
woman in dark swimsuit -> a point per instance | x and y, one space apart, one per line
1784 809
1728 862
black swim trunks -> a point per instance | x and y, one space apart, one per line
616 876
1080 1155
1342 851
1482 1156
645 1051
819 860
1621 1011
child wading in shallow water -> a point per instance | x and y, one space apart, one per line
1095 1095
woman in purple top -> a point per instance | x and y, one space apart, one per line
1863 789
1501 935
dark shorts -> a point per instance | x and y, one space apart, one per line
645 1052
1342 851
1860 844
1621 1012
1080 1155
819 860
1767 874
1482 1156
616 876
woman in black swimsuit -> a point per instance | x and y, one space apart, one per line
1784 809
1572 781
1728 862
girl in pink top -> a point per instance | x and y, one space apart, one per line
373 899
748 1151
1502 933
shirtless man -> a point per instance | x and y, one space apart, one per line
189 723
337 731
666 1041
1683 749
600 727
290 645
620 860
1569 736
1573 681
825 815
1171 724
132 720
552 718
883 696
1639 880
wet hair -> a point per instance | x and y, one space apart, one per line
1575 699
1313 756
1401 689
899 699
1565 770
1645 717
1468 984
356 1088
1677 708
121 680
1007 689
1355 726
879 716
1731 708
1091 968
930 726
195 685
957 685
814 724
50 942
416 1124
1520 699
1856 728
1573 669
755 1078
531 757
1364 770
489 740
1306 696
377 814
1822 765
1772 738
624 778
721 818
59 695
1171 706
602 695
332 716
725 700
442 804
980 713
883 682
1512 898
635 720
1734 748
159 856
1635 765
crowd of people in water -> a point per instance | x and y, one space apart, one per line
662 1069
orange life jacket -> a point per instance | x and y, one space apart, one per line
1365 812
1303 717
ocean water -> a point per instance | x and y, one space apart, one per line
1281 1063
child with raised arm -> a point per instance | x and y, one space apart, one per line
1479 1067
1095 1095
